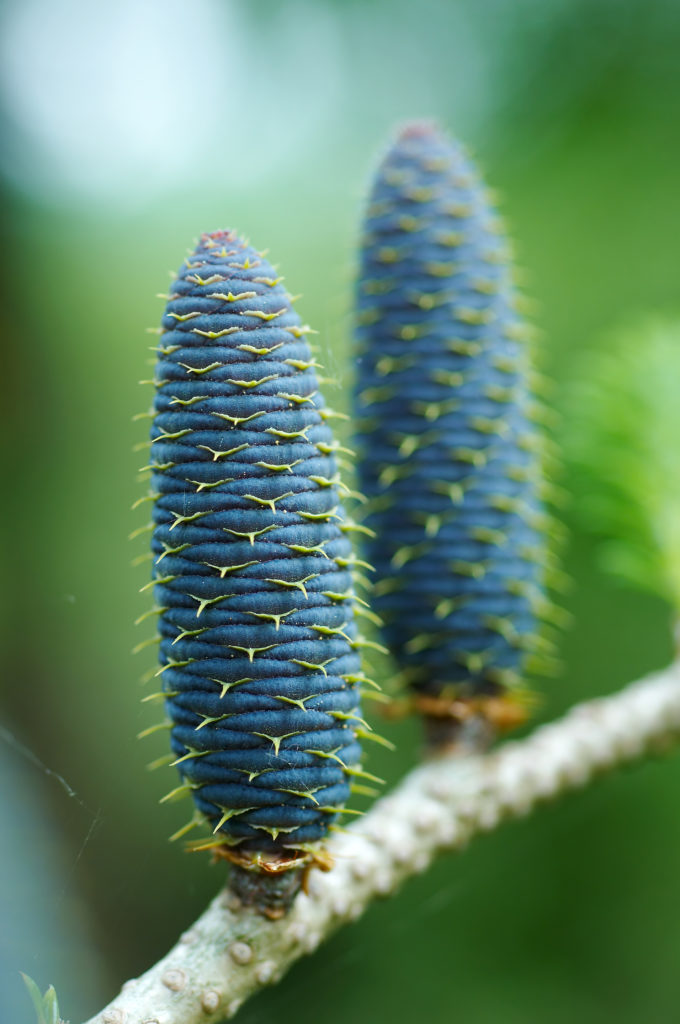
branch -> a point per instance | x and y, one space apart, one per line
230 953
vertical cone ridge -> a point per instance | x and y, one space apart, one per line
450 453
252 567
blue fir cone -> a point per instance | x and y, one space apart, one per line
451 457
252 566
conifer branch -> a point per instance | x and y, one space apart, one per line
231 953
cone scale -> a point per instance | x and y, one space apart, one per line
450 453
252 571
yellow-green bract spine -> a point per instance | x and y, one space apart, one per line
451 454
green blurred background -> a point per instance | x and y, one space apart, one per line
131 127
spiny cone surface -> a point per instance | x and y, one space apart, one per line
252 565
450 453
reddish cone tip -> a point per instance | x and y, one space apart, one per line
419 130
226 235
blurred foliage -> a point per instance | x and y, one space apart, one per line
571 108
624 441
46 1006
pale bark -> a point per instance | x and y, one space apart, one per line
230 953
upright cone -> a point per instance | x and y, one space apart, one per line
451 455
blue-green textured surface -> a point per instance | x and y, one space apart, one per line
450 457
253 567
